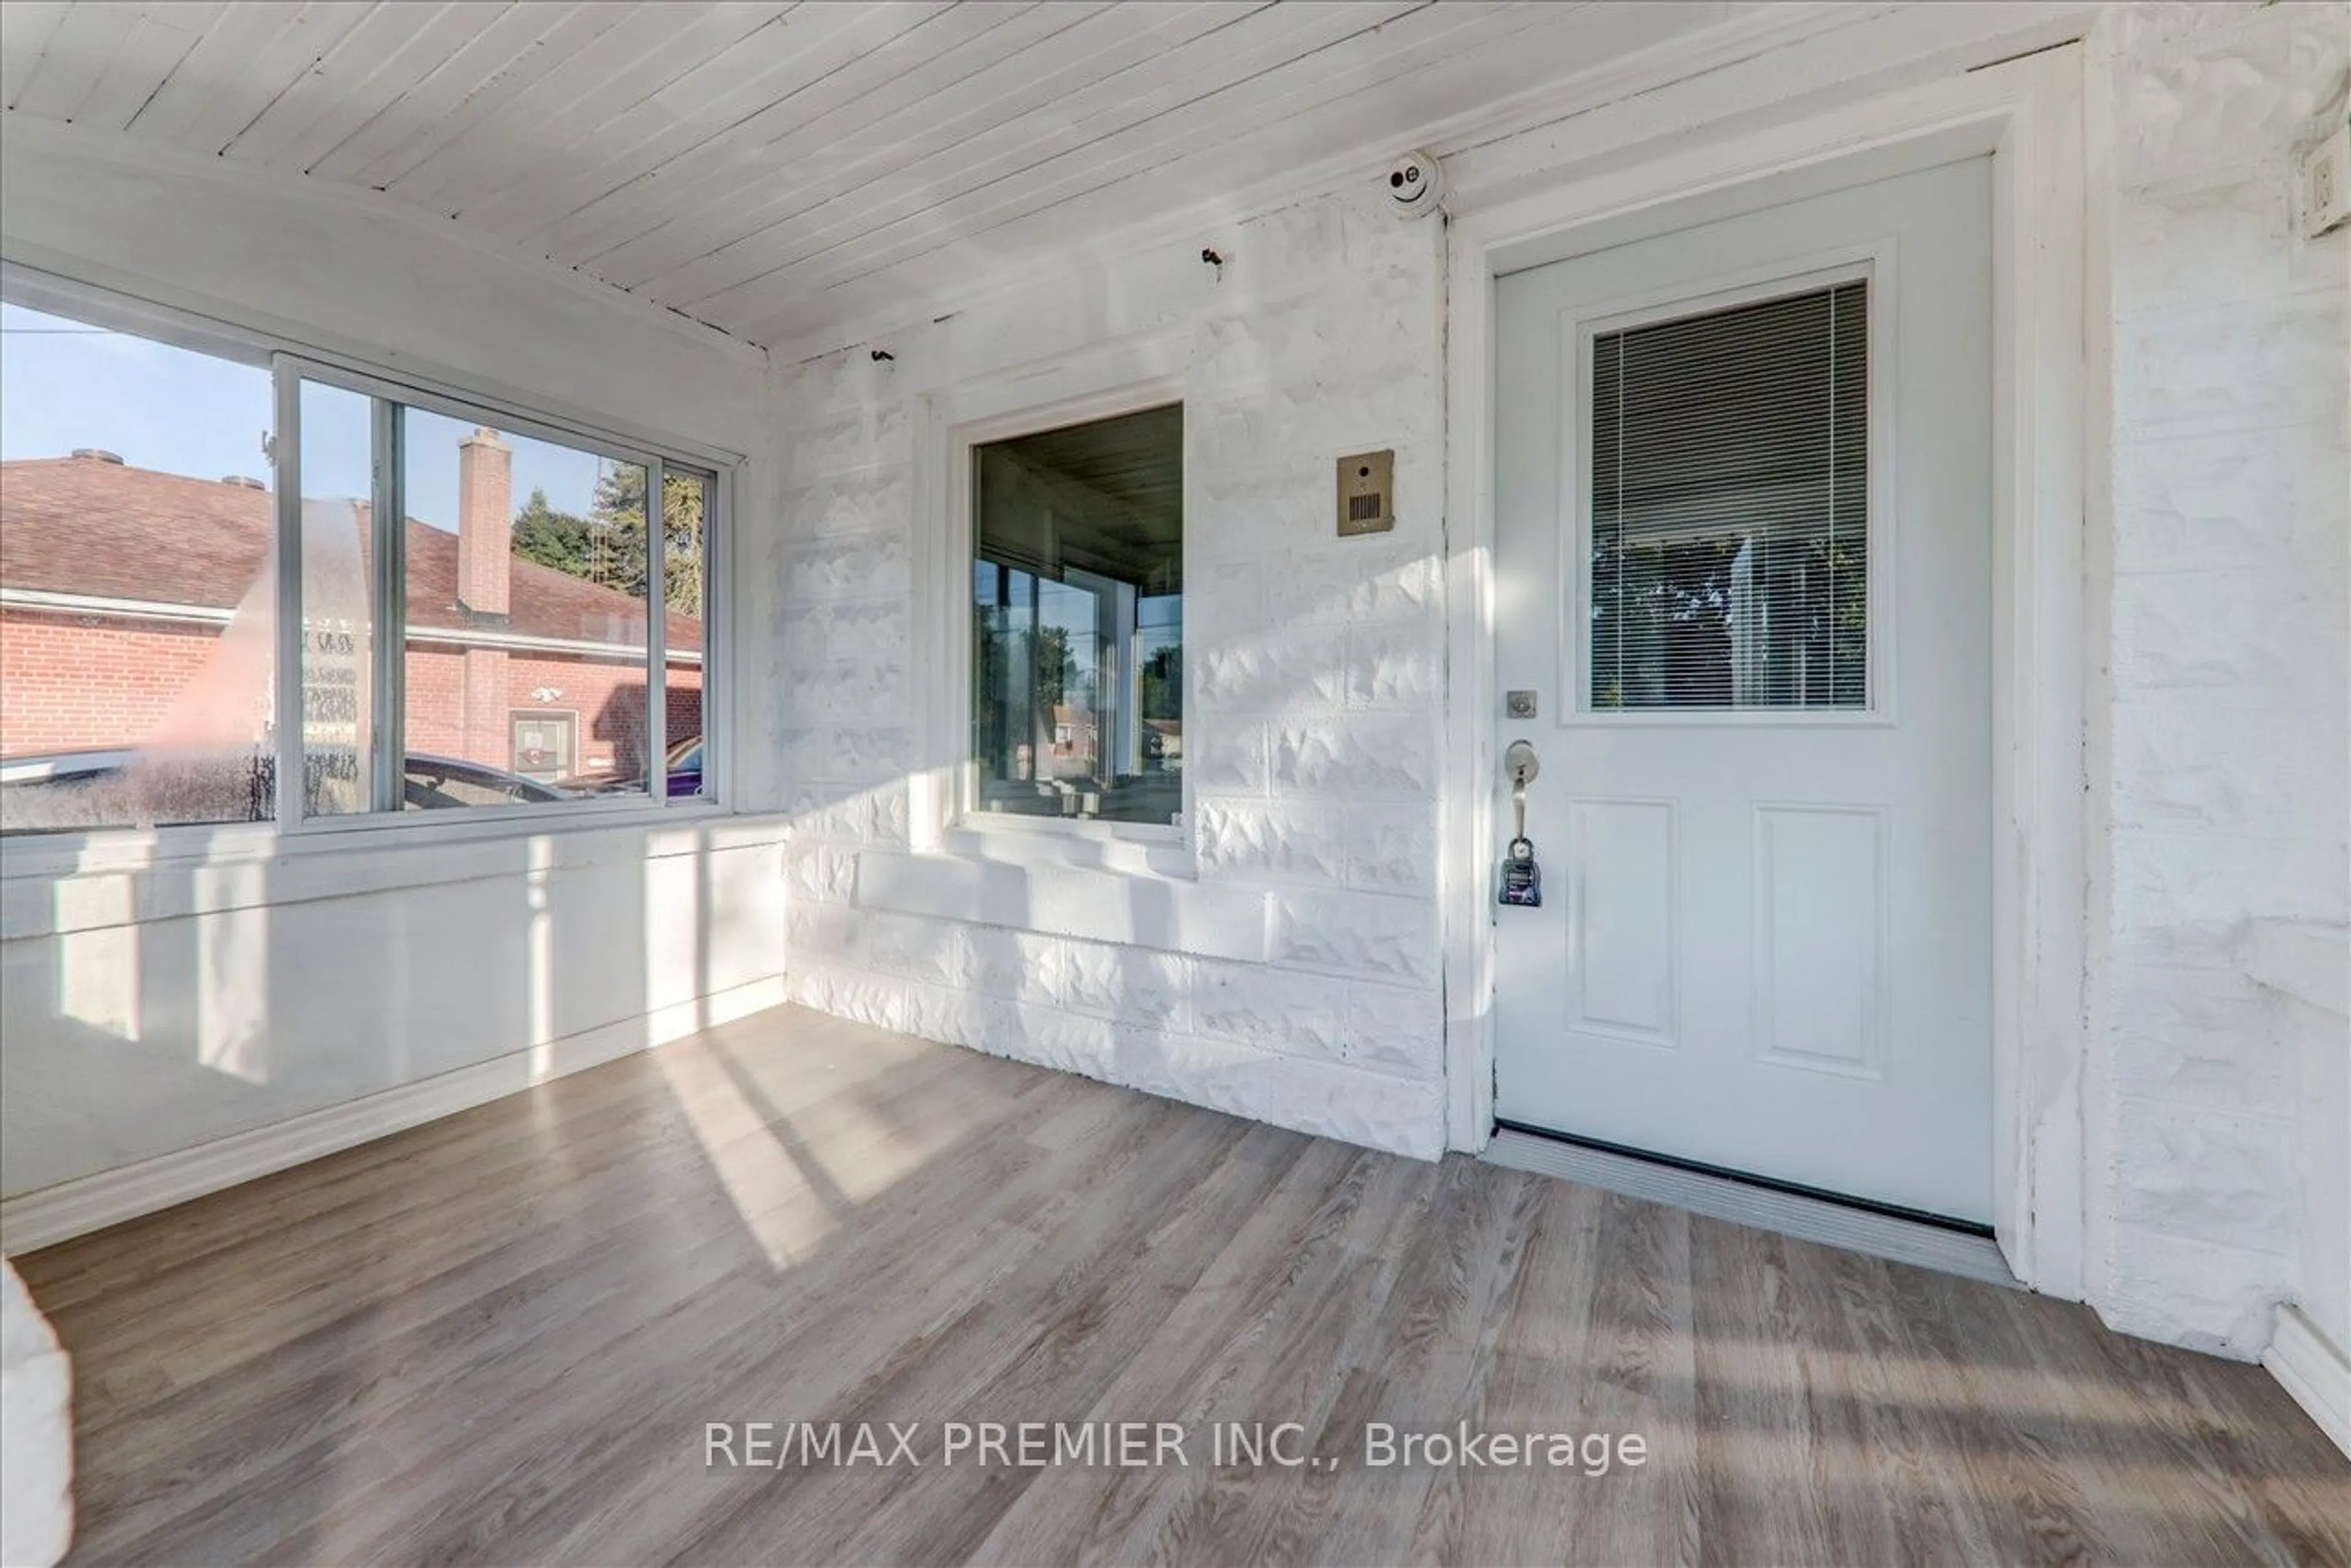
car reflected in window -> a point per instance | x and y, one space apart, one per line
61 791
685 775
431 783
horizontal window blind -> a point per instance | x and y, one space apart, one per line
1730 507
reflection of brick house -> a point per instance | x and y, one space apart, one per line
117 584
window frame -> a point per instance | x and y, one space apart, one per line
961 546
289 362
1873 262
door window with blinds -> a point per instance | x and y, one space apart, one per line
1727 480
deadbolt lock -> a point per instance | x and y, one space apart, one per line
1519 705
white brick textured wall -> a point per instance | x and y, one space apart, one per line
1318 679
2224 718
1317 674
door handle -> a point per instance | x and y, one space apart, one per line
1520 763
1522 879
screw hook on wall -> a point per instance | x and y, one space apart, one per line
883 356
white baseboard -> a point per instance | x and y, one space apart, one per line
53 1214
2316 1373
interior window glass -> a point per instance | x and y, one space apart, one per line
1078 621
137 646
337 609
488 640
685 501
527 591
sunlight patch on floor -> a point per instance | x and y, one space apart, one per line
776 1199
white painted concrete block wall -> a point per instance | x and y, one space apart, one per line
2220 720
2225 713
1316 675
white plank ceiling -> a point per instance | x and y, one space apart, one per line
777 169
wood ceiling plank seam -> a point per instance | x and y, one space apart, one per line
1638 97
721 187
25 28
745 253
382 58
485 47
1435 83
241 30
718 93
654 130
548 55
1267 149
445 179
1238 123
1256 149
1192 183
156 47
908 165
1072 124
1230 115
1635 32
570 137
951 42
874 28
916 188
715 201
308 73
263 75
75 58
1056 44
1807 56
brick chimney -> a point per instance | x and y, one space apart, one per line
485 524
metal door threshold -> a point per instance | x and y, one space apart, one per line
1920 1242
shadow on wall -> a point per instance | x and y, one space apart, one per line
622 721
173 1004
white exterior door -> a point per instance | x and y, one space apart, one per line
1743 570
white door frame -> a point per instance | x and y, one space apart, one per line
2027 114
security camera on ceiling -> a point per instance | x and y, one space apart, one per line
1415 185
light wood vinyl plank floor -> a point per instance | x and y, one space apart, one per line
498 1339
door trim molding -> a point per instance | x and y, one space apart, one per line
2027 114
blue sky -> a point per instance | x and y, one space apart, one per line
63 384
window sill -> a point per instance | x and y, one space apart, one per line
222 844
1142 850
53 887
1045 884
